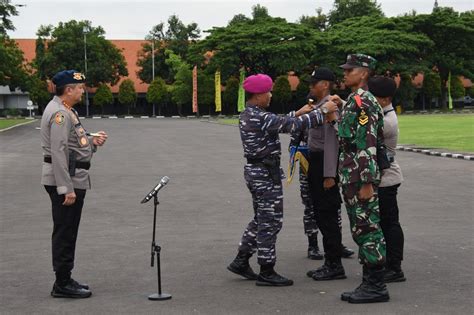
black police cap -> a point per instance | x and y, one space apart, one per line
65 77
382 86
323 74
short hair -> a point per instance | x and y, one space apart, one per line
248 95
60 90
381 86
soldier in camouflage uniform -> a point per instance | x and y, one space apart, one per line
360 132
259 131
67 151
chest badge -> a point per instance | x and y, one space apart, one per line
363 118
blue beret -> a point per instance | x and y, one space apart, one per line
65 77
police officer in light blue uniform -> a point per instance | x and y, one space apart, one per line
259 131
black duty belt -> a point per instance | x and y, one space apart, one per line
267 160
391 159
79 164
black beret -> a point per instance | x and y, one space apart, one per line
323 74
382 86
65 77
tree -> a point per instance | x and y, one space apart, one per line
281 93
457 88
259 12
176 37
103 96
431 85
230 95
65 50
127 95
317 22
12 68
157 93
182 88
7 10
346 9
302 90
405 93
238 18
38 91
453 35
265 45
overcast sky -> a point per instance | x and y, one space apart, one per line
128 19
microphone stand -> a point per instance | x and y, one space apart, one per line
156 249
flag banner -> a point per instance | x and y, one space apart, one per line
241 99
450 99
195 90
301 154
218 100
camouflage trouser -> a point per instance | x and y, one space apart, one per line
364 218
261 233
309 218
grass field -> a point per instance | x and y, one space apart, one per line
451 131
5 123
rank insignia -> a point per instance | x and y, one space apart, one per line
78 76
83 141
363 118
59 118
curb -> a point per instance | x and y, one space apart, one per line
437 153
11 127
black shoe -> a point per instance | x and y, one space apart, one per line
313 271
346 252
345 295
273 280
394 276
82 285
314 253
241 266
70 290
330 271
374 290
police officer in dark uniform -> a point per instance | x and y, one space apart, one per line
259 131
67 152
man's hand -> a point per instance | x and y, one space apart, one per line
69 199
100 140
366 192
328 183
336 99
304 110
331 106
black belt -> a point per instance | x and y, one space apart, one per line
391 159
276 160
79 164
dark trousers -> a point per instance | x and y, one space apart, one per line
327 204
66 221
390 224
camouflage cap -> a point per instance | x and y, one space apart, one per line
359 61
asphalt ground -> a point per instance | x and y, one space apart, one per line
201 216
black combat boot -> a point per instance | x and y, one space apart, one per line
374 290
241 266
346 252
329 271
82 285
269 277
313 248
69 289
394 273
345 295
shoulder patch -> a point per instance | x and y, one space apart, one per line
363 118
59 118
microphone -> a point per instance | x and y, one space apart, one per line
155 190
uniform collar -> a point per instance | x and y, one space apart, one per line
388 108
254 107
322 101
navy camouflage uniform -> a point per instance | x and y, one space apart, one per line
259 131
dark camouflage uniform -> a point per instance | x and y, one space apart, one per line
360 128
259 131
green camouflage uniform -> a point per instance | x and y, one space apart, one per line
360 128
